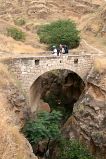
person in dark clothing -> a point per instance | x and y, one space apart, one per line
60 47
66 49
58 51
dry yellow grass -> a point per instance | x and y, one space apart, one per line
5 77
13 144
7 44
100 64
96 42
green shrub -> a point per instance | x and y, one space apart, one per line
45 126
72 149
58 103
16 34
20 22
60 32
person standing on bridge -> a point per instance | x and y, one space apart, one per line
60 48
63 49
54 51
58 51
66 49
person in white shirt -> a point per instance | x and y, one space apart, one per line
62 50
54 50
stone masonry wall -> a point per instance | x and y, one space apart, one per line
28 69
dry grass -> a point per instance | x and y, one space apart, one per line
13 145
100 64
100 67
7 44
5 77
92 27
97 42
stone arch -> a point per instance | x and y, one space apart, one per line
67 66
28 69
36 89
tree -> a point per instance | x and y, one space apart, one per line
60 32
45 126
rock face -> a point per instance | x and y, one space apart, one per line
18 104
43 106
88 122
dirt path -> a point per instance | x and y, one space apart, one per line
92 48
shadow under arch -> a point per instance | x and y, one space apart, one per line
60 89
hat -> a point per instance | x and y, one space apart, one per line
54 46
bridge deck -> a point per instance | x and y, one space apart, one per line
51 56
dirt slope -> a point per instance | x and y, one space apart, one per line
44 9
94 28
13 145
38 12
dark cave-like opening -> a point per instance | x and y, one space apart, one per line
57 89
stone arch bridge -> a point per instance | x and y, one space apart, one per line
28 69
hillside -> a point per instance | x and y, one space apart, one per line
94 27
46 9
90 16
35 13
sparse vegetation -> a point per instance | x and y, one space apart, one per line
16 34
73 149
20 22
60 32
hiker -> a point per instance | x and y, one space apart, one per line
66 49
60 47
63 50
58 51
54 51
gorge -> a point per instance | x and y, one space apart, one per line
82 101
52 107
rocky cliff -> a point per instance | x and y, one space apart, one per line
89 115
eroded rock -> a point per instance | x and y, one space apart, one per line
89 115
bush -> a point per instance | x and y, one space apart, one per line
45 126
72 149
60 32
20 22
16 34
